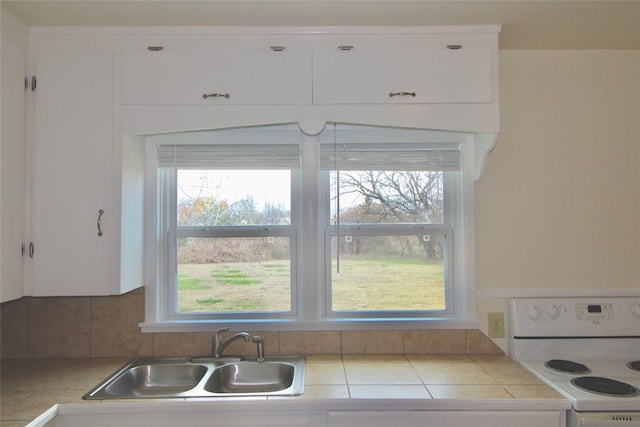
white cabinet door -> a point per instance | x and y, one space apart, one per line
12 170
446 419
188 416
72 164
228 78
402 76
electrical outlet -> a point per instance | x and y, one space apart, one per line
496 325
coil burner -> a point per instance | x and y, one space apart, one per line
567 366
605 386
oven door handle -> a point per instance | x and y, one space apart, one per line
613 420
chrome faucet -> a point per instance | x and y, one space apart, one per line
219 345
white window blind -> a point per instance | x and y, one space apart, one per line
230 156
354 147
390 156
260 147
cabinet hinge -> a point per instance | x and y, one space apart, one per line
34 83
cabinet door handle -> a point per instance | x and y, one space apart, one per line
31 250
411 94
215 95
99 222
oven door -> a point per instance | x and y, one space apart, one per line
604 419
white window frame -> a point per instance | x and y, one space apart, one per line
311 308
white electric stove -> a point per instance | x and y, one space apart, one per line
588 349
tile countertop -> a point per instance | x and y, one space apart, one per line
30 387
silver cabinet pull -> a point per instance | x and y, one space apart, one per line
99 222
215 95
411 94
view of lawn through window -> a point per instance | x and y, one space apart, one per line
386 260
233 273
237 274
381 279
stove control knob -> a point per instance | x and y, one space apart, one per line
635 310
534 312
553 311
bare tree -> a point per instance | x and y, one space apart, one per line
395 197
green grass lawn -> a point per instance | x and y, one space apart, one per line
387 285
361 285
234 287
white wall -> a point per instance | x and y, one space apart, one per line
558 209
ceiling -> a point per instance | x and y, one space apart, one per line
526 24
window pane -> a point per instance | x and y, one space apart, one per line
401 272
234 275
233 197
376 197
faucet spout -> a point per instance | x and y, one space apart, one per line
220 345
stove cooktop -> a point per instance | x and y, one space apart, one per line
615 386
588 349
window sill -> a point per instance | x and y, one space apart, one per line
295 325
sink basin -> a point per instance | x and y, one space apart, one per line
156 380
251 377
202 377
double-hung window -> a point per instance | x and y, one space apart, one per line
228 224
357 226
388 221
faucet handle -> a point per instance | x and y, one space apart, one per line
218 335
215 345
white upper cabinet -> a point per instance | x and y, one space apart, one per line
12 148
215 78
72 164
402 76
443 78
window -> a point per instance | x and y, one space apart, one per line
226 221
356 226
388 223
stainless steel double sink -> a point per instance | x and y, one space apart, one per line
202 377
